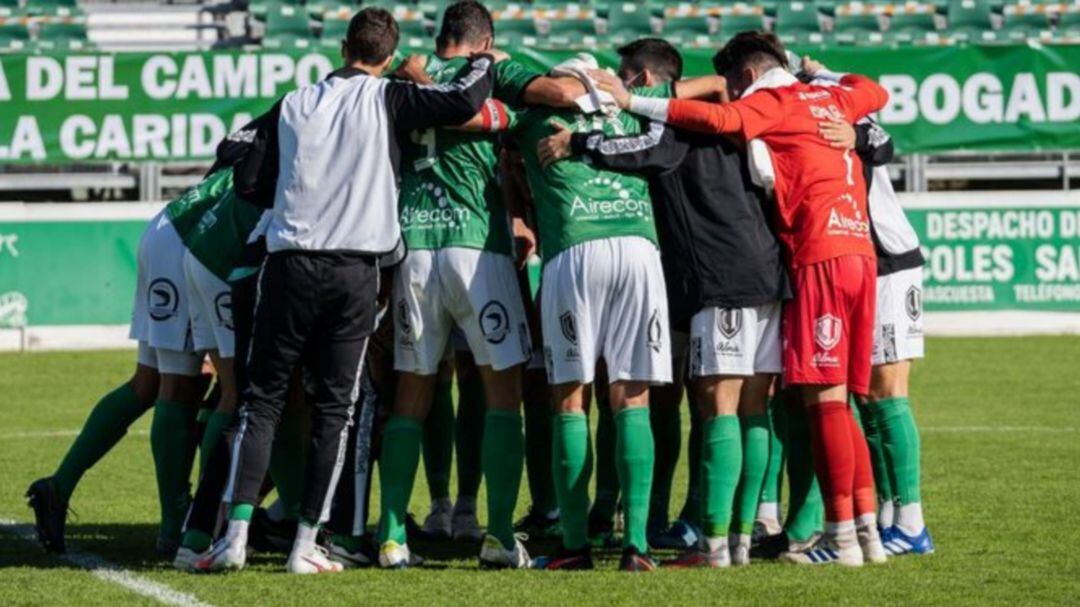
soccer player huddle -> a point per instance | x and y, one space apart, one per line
734 237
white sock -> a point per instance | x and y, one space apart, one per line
887 513
867 524
909 518
237 531
305 537
768 514
716 544
465 504
842 533
739 539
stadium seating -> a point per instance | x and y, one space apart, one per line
740 18
570 27
68 36
913 23
333 31
10 8
14 37
1023 21
285 20
798 23
53 8
1068 27
689 25
857 23
515 26
627 21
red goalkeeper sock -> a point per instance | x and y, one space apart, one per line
834 458
864 495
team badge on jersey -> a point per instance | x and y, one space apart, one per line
494 322
827 330
913 303
403 322
730 322
162 299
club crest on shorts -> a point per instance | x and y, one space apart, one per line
827 329
913 302
656 331
403 319
569 330
729 322
494 322
223 309
162 299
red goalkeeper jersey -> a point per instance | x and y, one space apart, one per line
820 192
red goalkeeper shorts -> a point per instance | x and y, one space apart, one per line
828 329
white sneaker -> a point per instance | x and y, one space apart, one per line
493 555
437 523
870 544
393 555
349 560
465 525
740 549
315 559
227 554
186 558
825 552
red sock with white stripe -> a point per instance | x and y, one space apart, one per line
834 464
864 494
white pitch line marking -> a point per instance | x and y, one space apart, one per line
109 572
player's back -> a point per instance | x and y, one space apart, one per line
576 201
820 191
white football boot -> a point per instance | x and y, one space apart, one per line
314 559
493 555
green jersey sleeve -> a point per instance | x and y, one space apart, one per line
511 80
659 91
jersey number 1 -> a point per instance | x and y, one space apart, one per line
425 138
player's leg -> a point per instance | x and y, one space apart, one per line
805 520
690 513
422 328
754 424
104 427
438 451
469 426
606 499
666 421
767 522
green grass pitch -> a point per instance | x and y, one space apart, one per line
1001 438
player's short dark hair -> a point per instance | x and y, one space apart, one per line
654 54
750 49
372 37
465 22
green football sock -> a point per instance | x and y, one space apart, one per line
607 474
634 460
504 458
107 424
867 415
470 434
397 472
538 419
172 443
755 459
215 425
806 510
691 510
241 512
351 543
721 463
438 446
288 460
571 467
197 541
901 445
667 434
774 471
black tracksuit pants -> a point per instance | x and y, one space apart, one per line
317 309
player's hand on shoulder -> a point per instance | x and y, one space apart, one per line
606 81
811 67
414 68
556 146
839 133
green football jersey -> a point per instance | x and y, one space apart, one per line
186 211
575 201
450 196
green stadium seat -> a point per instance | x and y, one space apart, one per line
10 8
627 21
63 35
333 32
740 19
288 42
53 8
14 37
573 27
805 40
689 25
796 18
1026 21
260 8
857 23
515 24
969 15
1068 27
975 35
284 21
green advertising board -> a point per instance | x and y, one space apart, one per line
75 264
176 106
